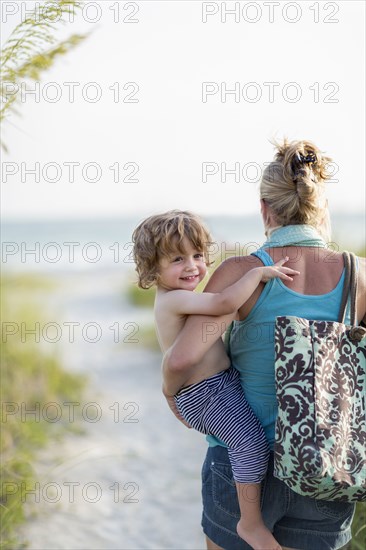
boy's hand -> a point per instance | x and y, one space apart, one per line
277 270
173 407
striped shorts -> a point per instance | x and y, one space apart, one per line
217 406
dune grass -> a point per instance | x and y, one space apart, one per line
358 541
139 297
31 380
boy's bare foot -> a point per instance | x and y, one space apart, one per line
257 536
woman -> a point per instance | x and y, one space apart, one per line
295 217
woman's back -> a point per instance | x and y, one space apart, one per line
314 294
320 271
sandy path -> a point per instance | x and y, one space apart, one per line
131 481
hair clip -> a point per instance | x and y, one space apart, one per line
310 158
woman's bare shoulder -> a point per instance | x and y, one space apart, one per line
230 270
240 263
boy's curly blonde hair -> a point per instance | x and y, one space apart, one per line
161 236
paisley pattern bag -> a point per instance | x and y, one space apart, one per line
320 371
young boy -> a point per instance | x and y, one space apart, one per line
171 252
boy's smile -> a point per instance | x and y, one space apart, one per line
189 277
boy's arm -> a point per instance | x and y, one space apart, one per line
229 300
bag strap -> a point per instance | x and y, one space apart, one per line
353 289
349 288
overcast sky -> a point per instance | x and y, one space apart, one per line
163 126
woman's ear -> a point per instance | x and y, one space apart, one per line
264 215
269 220
264 212
263 206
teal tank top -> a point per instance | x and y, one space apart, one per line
252 341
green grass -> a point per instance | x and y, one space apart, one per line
147 338
30 379
358 541
139 297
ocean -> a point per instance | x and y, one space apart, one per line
77 245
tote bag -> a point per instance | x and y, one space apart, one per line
320 374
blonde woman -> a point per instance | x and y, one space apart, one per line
296 222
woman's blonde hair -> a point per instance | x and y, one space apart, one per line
293 185
161 236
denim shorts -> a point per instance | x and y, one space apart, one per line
296 521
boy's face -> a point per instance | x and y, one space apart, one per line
182 271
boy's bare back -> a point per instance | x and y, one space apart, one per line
169 323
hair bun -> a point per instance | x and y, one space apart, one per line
303 162
309 159
293 183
